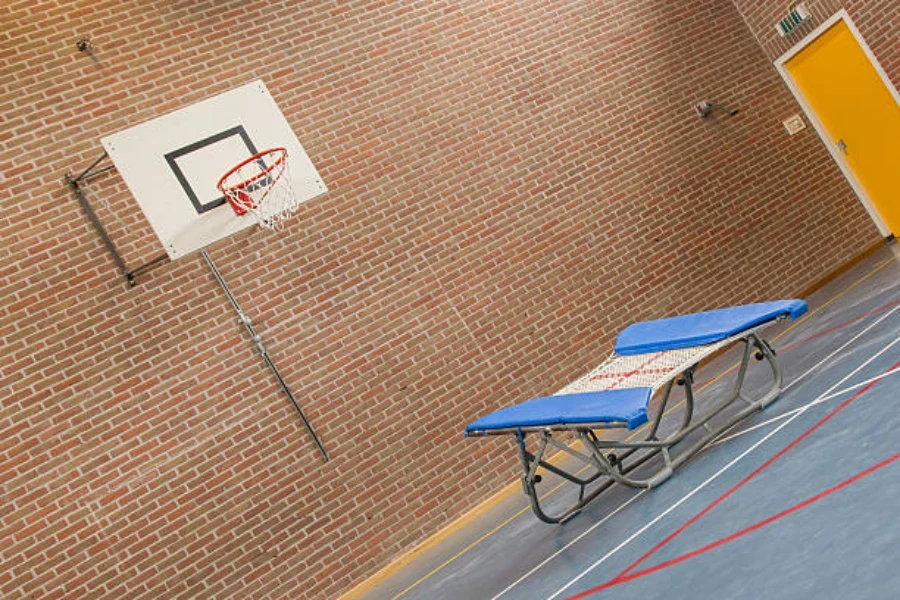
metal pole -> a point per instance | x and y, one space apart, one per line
245 320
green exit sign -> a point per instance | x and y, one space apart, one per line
794 18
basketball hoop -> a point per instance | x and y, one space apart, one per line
261 185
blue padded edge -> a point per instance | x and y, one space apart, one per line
627 405
701 328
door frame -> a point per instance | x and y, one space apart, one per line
841 15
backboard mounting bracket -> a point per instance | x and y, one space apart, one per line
75 184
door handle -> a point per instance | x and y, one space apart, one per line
842 147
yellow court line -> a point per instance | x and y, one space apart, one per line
465 550
491 501
459 523
495 499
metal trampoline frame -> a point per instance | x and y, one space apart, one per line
601 455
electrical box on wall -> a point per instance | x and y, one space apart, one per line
794 124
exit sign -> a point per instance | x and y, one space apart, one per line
793 19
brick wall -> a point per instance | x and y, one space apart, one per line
511 183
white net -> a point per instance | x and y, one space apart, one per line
261 185
644 370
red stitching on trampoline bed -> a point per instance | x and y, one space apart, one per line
638 369
627 374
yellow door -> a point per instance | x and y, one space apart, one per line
858 112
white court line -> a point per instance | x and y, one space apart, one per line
741 456
564 548
836 394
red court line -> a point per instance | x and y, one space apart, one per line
842 325
746 530
622 576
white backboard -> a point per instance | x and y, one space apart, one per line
171 164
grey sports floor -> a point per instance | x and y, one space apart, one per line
799 501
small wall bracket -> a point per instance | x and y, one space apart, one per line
705 108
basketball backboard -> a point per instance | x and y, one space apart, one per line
171 164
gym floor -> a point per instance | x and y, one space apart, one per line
798 501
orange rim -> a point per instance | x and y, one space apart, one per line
282 155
